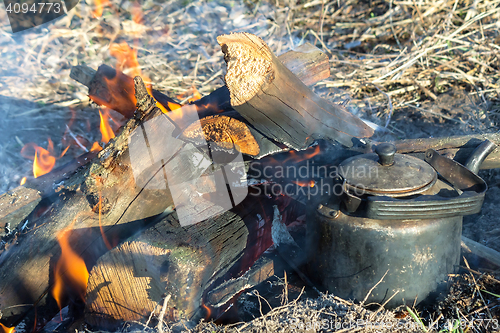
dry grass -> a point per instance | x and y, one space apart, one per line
415 68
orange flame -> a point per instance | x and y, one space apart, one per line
95 147
106 131
303 155
5 329
302 183
43 164
23 181
126 57
99 6
136 12
44 160
173 106
196 95
71 272
208 311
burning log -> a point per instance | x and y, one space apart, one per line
276 102
26 269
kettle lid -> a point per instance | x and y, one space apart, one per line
386 173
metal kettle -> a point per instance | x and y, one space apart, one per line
393 236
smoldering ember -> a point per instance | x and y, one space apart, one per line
247 166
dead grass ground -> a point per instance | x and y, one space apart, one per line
415 68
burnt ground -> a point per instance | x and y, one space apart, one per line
417 70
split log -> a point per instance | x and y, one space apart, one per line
276 102
308 63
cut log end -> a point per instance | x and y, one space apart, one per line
228 132
249 65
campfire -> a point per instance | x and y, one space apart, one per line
190 206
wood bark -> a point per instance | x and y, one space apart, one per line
276 102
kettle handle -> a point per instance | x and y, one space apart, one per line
469 202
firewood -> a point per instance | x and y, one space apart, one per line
259 272
18 204
276 102
128 282
308 63
226 132
26 269
81 191
113 89
189 263
131 197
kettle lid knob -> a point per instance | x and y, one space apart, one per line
385 152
